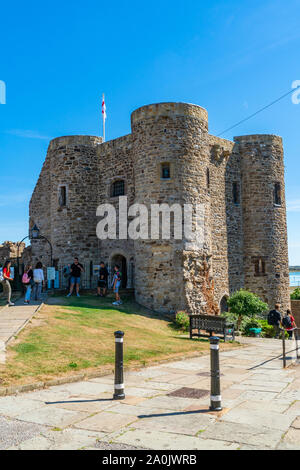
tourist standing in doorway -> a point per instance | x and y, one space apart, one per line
274 319
27 281
6 282
76 270
288 322
116 284
39 281
102 283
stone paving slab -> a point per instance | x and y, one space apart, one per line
166 441
51 416
106 422
261 437
261 407
68 439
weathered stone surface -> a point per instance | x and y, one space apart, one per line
233 181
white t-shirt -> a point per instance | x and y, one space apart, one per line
38 275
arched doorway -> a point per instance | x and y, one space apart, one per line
224 304
120 260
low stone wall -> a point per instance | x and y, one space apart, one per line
295 304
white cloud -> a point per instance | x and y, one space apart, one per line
28 134
293 205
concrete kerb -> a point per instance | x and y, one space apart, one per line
15 389
24 324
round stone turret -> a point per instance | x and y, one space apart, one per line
171 157
264 218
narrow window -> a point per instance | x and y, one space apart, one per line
165 171
62 199
277 194
259 267
236 192
207 178
118 188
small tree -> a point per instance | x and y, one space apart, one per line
295 295
245 303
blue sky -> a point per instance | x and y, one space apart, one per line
57 58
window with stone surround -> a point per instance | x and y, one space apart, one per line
277 194
165 171
62 197
117 188
259 267
236 193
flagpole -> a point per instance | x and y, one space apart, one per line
103 117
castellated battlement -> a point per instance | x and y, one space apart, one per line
170 110
169 158
259 139
74 140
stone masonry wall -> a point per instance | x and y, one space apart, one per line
264 222
116 163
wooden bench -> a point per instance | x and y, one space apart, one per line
211 324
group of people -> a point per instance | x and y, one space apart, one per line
32 280
75 270
282 322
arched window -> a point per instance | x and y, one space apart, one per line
117 188
224 304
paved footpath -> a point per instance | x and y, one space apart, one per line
13 320
261 408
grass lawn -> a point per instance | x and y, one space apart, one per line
75 334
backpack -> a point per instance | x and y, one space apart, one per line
287 322
272 318
119 275
25 278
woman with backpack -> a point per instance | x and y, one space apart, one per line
39 281
27 281
288 322
5 281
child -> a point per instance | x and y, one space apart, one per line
116 284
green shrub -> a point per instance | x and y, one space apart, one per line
295 295
245 304
248 324
182 321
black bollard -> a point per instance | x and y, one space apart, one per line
283 349
215 392
119 380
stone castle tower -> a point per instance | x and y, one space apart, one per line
171 158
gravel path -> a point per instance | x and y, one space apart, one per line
13 432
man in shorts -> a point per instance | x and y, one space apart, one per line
102 282
76 270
